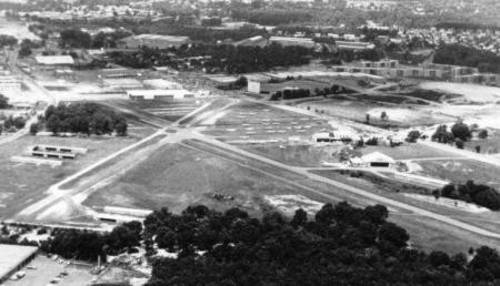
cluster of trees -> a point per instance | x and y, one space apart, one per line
87 118
26 46
291 94
7 40
371 34
304 92
482 195
456 54
413 136
341 56
11 122
272 17
4 102
76 38
212 21
341 245
459 133
217 58
466 26
108 40
87 245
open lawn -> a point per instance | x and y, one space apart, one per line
177 177
408 151
490 145
296 155
356 109
399 191
461 171
23 184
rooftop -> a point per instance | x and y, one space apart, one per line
55 60
12 256
158 37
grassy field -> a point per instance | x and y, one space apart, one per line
408 151
23 184
490 145
177 177
425 233
296 155
356 109
462 171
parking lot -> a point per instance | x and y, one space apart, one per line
46 271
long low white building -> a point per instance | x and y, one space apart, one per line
63 60
159 94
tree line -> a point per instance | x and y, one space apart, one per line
216 58
271 17
479 194
87 118
76 38
459 133
340 245
456 54
88 245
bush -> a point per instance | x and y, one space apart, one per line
372 141
86 118
479 194
442 135
483 134
413 136
461 130
34 128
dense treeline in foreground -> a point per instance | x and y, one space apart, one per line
342 245
456 54
88 246
87 118
218 58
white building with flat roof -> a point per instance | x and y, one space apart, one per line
159 94
160 83
13 258
55 60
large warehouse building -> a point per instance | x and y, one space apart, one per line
13 258
159 94
153 41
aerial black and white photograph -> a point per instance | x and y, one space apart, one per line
249 142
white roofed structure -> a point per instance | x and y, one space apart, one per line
160 83
159 94
13 257
54 60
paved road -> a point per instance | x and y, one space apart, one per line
33 86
